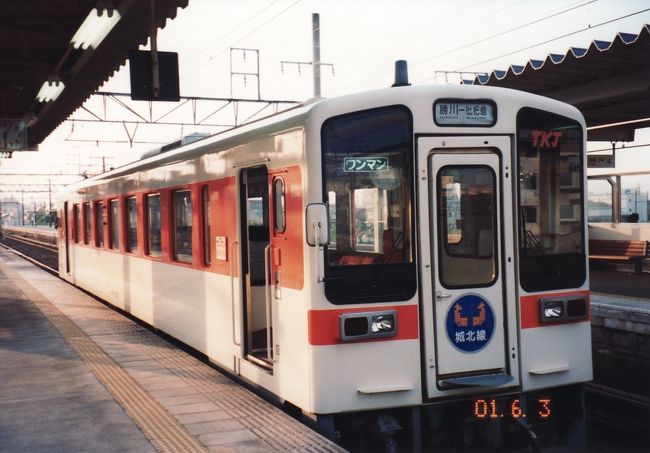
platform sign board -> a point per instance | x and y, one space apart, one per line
141 76
13 135
601 161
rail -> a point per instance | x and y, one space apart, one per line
36 261
35 242
625 415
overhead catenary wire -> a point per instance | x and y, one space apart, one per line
555 14
498 35
400 35
254 30
622 147
232 30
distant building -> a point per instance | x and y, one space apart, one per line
599 208
633 200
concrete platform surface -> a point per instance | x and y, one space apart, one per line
621 301
76 376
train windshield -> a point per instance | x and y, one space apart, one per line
368 187
551 220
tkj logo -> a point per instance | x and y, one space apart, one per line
470 323
546 139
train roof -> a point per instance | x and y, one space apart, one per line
325 107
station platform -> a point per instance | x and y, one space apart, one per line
76 376
621 300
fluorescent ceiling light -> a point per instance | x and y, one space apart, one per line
94 28
50 91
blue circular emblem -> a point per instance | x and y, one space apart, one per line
470 323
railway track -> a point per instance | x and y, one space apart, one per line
43 254
617 416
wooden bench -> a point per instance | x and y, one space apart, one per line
618 251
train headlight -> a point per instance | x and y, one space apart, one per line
368 325
383 323
563 309
552 310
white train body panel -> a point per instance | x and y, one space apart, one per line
308 362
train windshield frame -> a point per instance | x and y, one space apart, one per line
368 186
550 153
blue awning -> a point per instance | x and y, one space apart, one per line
609 81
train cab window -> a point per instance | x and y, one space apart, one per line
99 224
114 224
279 209
207 247
551 219
154 244
182 200
76 222
87 223
132 224
368 184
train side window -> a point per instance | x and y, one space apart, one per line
99 224
280 212
115 224
132 224
207 247
154 244
182 200
76 222
87 223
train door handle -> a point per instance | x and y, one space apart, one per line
441 295
267 301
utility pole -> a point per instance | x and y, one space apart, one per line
315 27
316 63
49 201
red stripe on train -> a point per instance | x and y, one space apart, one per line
324 325
530 311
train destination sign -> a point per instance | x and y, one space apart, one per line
464 113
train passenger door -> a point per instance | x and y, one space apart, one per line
468 311
255 259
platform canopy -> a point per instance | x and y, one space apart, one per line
608 81
35 47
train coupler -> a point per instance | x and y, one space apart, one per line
387 426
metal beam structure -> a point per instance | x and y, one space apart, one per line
187 107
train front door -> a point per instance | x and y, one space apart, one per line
255 259
468 261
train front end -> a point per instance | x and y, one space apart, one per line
450 290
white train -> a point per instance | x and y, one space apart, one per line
411 259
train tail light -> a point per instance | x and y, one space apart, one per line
368 325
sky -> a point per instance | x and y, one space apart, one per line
360 39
